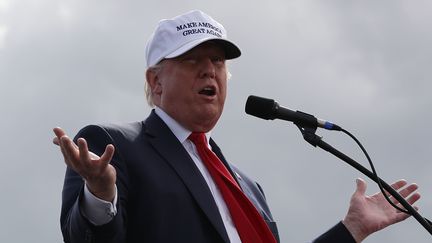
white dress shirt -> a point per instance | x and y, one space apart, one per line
100 212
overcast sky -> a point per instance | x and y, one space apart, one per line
366 65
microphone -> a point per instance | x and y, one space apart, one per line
269 109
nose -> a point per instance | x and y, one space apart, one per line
208 69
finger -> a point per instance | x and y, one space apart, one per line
399 184
83 151
411 200
414 198
108 154
59 133
396 186
406 191
361 186
89 162
70 151
65 141
63 152
63 149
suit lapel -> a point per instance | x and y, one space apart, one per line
167 145
219 154
248 187
240 181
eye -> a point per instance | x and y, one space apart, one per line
189 59
218 59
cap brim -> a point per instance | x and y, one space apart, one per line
231 50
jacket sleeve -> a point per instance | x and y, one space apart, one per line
339 233
75 227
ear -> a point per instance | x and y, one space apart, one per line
153 81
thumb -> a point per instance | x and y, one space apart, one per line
361 186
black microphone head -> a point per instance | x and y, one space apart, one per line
261 107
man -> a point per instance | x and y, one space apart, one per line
165 179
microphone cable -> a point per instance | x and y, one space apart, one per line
385 194
269 109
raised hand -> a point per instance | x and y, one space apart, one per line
368 214
98 173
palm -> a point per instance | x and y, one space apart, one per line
99 174
368 214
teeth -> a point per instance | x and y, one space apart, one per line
208 91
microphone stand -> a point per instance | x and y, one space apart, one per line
316 141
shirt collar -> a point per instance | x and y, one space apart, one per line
179 131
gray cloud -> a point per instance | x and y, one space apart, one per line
363 64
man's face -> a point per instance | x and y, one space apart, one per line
191 88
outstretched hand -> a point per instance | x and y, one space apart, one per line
98 173
368 214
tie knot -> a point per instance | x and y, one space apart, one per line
198 138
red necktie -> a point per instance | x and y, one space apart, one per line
251 227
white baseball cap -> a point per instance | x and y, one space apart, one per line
173 37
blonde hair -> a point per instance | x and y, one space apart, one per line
147 89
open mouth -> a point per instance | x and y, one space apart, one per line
208 91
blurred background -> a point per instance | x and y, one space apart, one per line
366 65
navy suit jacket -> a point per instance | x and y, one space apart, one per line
162 196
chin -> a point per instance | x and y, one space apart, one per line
207 120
